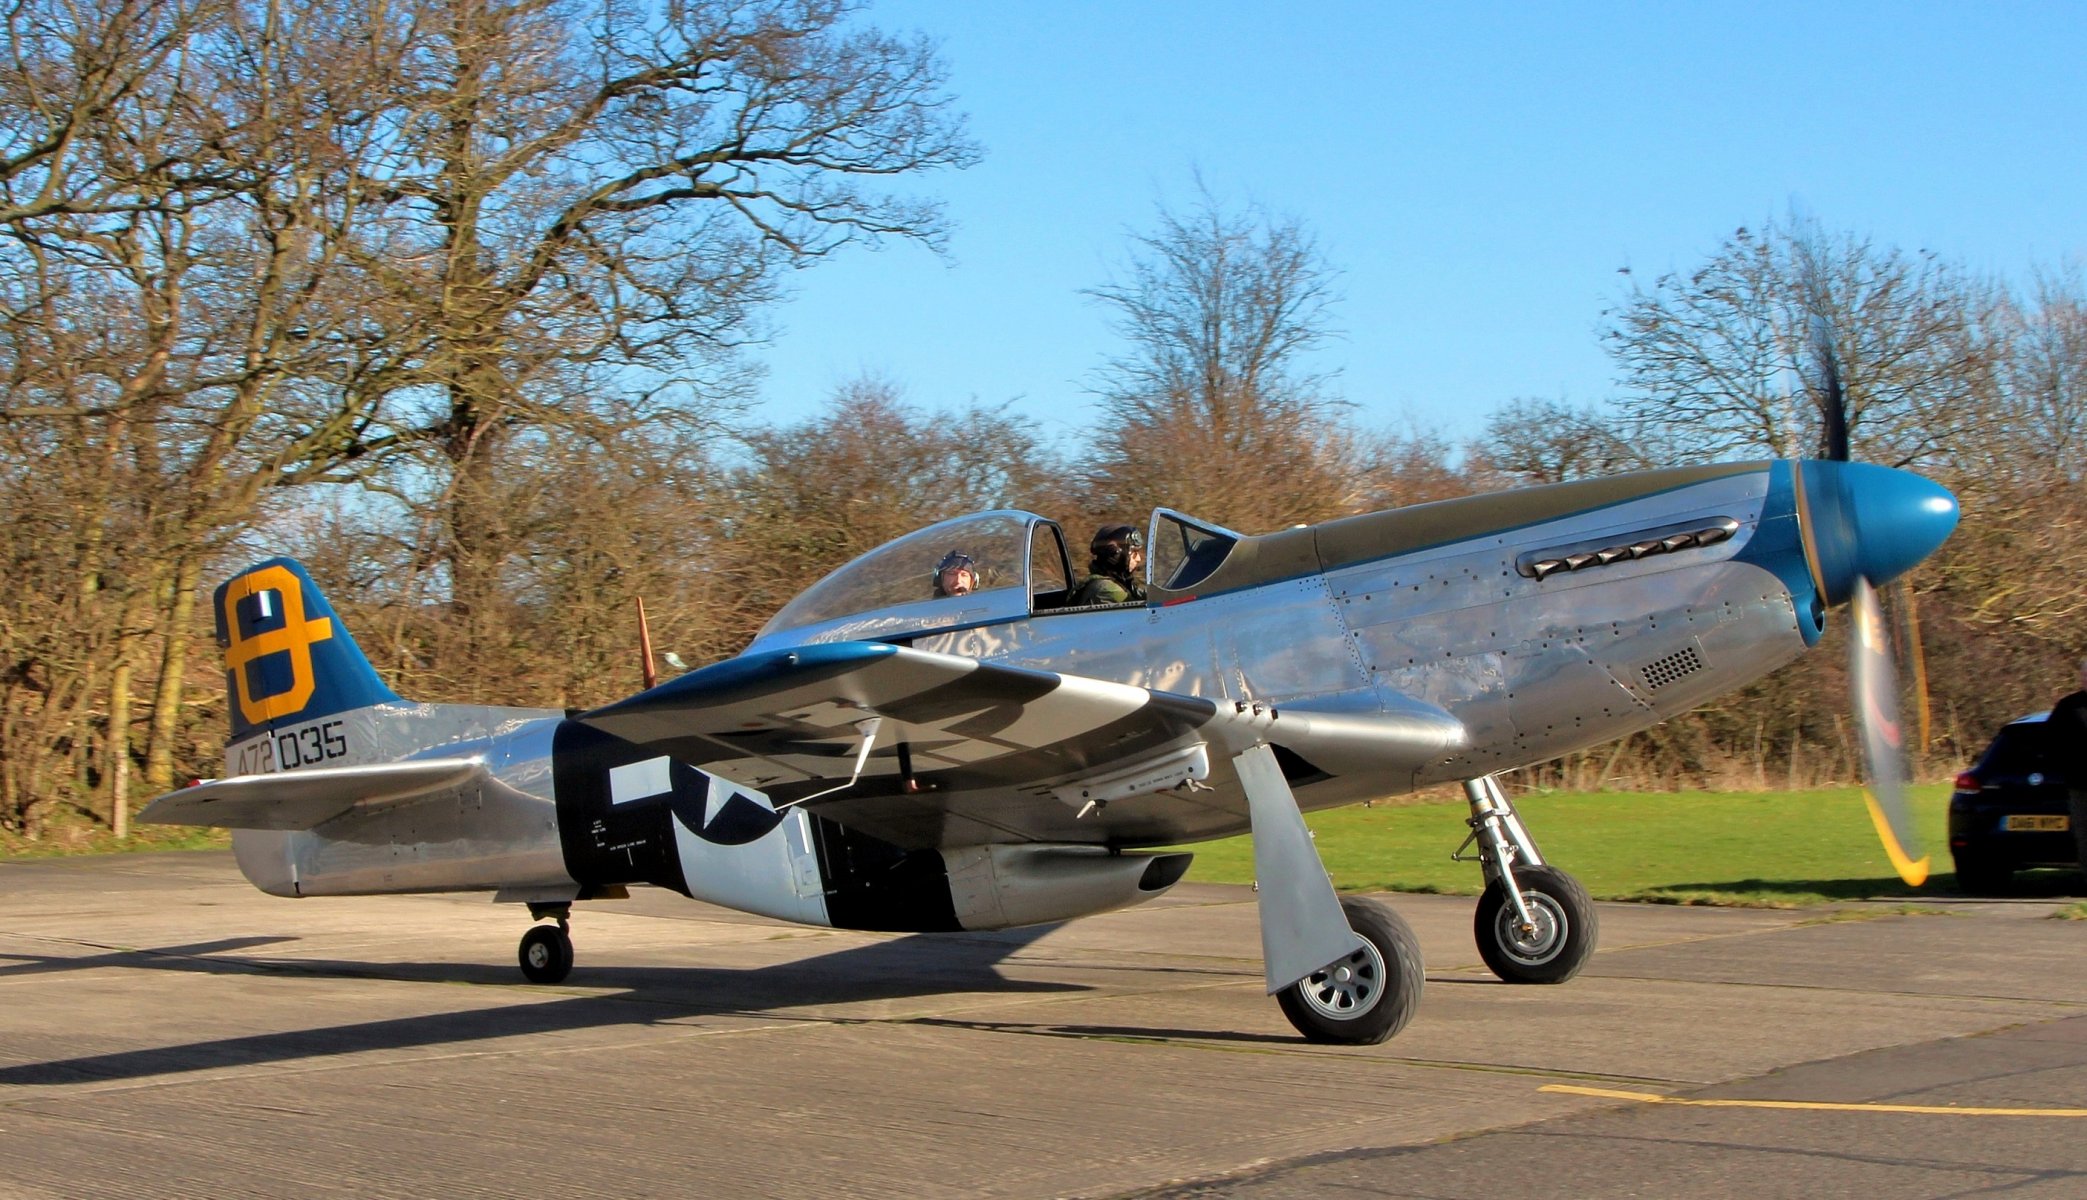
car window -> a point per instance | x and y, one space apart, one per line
2019 750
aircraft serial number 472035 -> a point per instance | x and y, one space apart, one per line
883 758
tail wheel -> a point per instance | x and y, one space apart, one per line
546 954
1553 944
1367 996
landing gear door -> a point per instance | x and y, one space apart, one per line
804 860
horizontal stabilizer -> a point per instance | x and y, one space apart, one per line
305 799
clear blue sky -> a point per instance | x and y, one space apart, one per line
1477 178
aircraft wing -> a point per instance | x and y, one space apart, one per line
926 749
304 799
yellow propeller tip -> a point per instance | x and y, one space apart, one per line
1913 871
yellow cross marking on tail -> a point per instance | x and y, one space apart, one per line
296 636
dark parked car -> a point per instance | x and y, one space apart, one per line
2010 810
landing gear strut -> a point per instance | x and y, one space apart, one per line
1535 923
546 952
1342 970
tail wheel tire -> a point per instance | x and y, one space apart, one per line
546 954
1556 941
1369 995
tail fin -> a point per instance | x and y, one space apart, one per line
288 657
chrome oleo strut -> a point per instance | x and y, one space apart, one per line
1502 841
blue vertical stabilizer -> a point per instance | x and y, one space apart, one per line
288 656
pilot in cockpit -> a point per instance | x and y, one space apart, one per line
956 575
1119 553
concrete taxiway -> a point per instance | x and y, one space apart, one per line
167 1031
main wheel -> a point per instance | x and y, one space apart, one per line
1367 996
1557 941
546 954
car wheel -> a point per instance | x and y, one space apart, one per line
1978 875
2077 808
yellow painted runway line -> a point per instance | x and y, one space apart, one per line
1814 1105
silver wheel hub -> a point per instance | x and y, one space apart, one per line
1539 940
1347 989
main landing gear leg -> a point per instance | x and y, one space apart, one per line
546 953
1343 971
1535 923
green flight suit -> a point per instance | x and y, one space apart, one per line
1101 589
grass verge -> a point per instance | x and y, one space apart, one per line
82 836
1767 849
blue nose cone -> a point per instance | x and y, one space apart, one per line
1871 521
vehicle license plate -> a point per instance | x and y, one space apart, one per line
2036 823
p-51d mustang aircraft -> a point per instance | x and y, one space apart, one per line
884 758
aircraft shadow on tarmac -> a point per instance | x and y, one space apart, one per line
1888 887
1119 1032
919 965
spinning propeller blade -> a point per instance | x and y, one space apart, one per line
1873 683
1872 675
1833 405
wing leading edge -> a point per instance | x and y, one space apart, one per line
926 749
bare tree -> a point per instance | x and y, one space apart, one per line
599 196
166 260
1213 405
1550 441
246 244
593 525
95 108
872 468
2031 426
1716 362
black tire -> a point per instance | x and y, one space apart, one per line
2076 808
1368 996
1978 875
1566 928
546 954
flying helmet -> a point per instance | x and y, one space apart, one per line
955 560
1112 546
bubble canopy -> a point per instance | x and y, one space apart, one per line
891 589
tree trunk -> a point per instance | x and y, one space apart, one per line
173 665
117 771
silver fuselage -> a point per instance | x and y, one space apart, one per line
1533 668
1544 622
